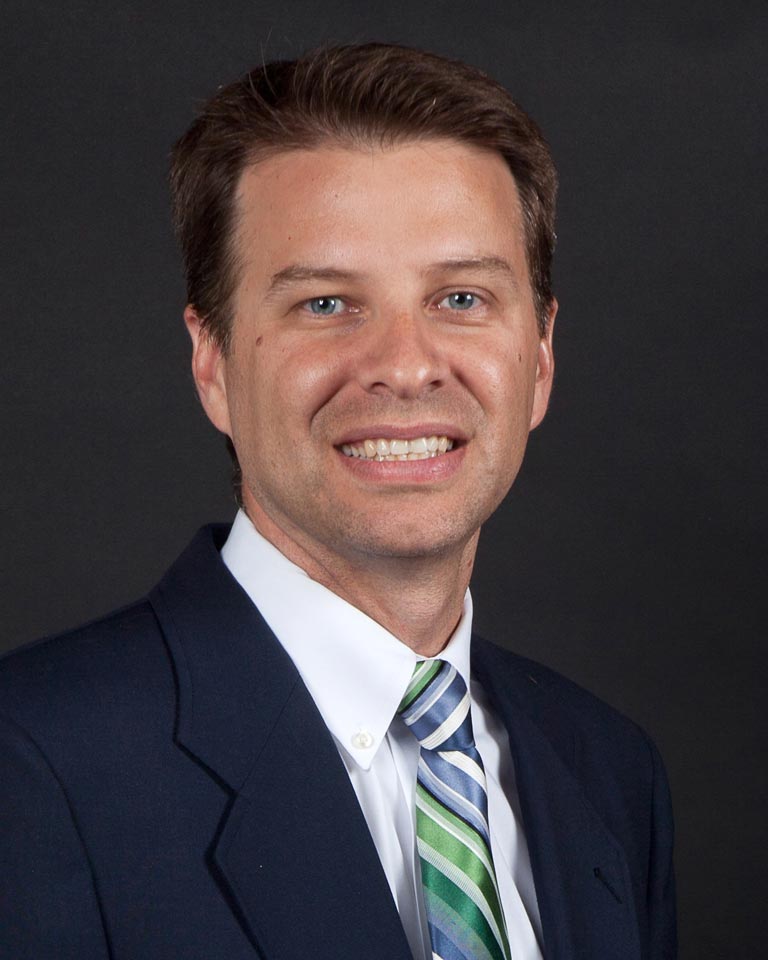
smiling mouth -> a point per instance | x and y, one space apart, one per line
419 448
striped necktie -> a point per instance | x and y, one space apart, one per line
460 891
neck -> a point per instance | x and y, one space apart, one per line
417 599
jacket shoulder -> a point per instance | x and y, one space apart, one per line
555 702
90 671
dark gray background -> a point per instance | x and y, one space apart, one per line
629 555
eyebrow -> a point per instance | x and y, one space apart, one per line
298 273
488 264
301 273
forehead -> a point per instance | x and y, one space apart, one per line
433 199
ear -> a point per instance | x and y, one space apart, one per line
545 369
208 369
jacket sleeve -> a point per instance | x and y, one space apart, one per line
48 903
662 919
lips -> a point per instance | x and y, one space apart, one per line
414 448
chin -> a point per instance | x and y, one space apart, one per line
409 543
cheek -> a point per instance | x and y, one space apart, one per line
284 384
507 375
313 373
313 381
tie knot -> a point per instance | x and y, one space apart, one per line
436 707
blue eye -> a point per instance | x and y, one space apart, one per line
325 306
459 301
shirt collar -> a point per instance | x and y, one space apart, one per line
355 670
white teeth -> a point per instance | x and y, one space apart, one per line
420 448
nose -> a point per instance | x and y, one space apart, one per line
403 356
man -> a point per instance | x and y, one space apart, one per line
291 748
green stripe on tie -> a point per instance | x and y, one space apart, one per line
422 677
449 893
464 858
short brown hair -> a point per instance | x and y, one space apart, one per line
355 94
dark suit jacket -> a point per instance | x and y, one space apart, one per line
168 790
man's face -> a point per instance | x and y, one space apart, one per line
384 298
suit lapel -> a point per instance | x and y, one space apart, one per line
297 854
580 873
293 854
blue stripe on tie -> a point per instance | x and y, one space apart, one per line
443 685
451 690
469 947
456 778
443 947
456 791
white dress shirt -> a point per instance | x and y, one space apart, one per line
357 672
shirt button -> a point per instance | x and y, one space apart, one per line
362 740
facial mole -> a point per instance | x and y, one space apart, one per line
258 341
519 358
